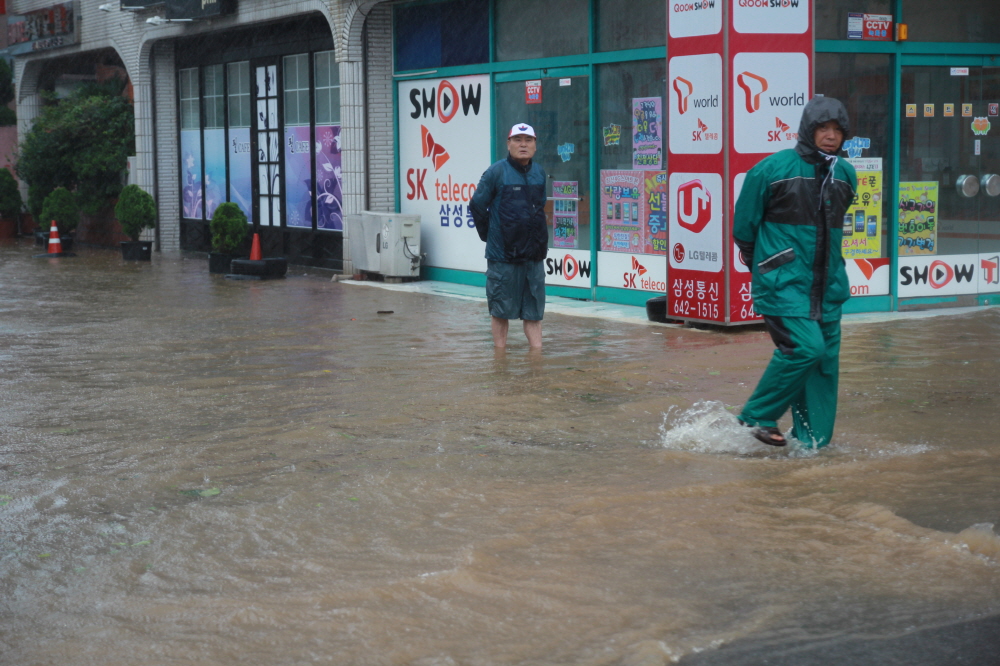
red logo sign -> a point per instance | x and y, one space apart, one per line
994 109
533 92
639 268
694 206
433 150
678 253
940 274
684 89
753 87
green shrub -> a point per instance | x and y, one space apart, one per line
10 197
36 197
81 143
135 211
229 228
61 206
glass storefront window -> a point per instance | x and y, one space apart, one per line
442 34
957 21
190 117
831 15
296 80
631 24
862 83
327 89
240 169
632 212
531 29
215 103
562 123
239 94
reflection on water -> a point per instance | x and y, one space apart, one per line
204 471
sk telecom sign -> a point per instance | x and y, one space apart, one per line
769 93
695 105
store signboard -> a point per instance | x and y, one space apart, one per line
737 83
444 147
868 277
636 272
43 29
568 268
948 275
198 9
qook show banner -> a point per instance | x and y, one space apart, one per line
949 275
444 148
568 268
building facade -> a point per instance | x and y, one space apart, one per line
306 112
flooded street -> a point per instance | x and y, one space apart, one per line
200 471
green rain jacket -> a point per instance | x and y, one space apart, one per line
789 219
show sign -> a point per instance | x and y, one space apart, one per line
948 275
568 268
444 148
737 82
43 29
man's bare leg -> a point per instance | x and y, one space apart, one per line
533 331
499 327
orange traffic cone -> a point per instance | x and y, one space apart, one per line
55 245
255 253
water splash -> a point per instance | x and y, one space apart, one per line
706 427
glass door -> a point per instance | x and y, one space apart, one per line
557 104
267 140
949 167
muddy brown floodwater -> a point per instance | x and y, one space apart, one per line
201 471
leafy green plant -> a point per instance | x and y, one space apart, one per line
7 115
81 143
135 211
229 228
61 206
10 196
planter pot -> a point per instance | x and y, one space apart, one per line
137 250
218 262
41 237
263 269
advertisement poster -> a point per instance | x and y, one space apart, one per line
647 133
444 148
565 216
215 170
240 185
621 199
638 272
329 191
655 233
917 209
298 177
191 190
863 219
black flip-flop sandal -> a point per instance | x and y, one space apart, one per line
769 435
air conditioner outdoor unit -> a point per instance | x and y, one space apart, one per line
385 243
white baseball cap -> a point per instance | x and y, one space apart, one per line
521 128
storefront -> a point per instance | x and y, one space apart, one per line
591 77
260 126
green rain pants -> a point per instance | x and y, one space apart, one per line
802 375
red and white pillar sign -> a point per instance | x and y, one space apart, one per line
739 73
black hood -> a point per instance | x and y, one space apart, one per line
818 111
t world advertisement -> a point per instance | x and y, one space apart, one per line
444 148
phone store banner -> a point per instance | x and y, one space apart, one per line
444 148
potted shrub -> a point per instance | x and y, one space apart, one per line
36 196
61 207
10 205
135 211
229 230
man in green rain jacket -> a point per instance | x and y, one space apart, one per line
788 226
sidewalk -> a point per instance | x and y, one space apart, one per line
629 314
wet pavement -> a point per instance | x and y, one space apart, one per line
197 470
